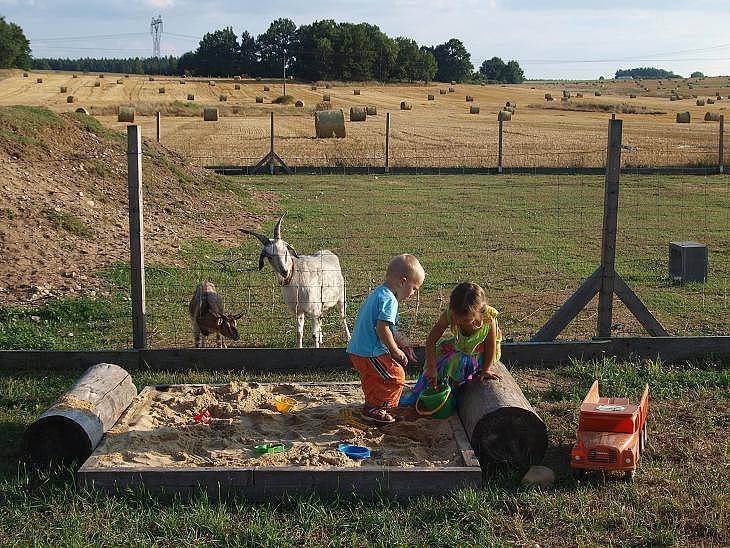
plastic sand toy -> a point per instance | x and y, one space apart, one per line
354 451
612 434
285 404
203 416
269 448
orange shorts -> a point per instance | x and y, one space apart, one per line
382 379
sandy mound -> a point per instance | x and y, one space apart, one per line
161 430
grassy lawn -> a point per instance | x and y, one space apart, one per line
679 496
530 240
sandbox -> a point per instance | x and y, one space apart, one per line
158 443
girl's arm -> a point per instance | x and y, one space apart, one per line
433 337
490 352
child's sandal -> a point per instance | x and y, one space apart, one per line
378 415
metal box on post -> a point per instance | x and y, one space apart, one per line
687 262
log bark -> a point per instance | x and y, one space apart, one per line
501 424
73 426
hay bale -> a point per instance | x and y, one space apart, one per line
101 76
548 96
39 80
710 101
182 82
97 84
210 114
473 109
299 104
356 92
431 97
211 83
504 115
328 86
451 90
266 88
358 114
712 117
313 88
329 123
236 77
237 86
70 99
161 90
442 91
566 93
74 76
700 102
259 99
151 79
371 110
81 110
453 82
126 114
579 95
564 100
191 97
405 105
326 98
127 76
683 117
597 93
64 89
25 75
632 96
469 98
120 81
223 97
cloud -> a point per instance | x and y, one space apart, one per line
159 3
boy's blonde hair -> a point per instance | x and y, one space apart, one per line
468 299
404 266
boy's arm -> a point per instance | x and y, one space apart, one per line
490 353
385 334
405 345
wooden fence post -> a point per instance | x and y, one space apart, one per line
608 241
136 234
387 140
499 153
158 126
722 144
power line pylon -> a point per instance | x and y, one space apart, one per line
156 32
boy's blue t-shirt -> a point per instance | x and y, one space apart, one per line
381 304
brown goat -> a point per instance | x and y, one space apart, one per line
208 318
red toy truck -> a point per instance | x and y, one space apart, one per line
611 434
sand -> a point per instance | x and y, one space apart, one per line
159 429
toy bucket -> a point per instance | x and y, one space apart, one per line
438 403
285 404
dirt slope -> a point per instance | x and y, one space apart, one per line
63 204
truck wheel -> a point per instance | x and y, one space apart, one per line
578 473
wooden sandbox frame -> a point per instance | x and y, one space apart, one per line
259 483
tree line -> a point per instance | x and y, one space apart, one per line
322 50
646 72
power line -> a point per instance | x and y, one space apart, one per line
93 37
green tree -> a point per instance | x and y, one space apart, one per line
218 53
315 59
249 59
355 51
697 74
492 68
277 46
454 62
512 73
14 46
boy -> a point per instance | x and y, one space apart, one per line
377 350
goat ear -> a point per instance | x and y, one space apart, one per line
261 259
292 250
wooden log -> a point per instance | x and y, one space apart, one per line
501 424
73 426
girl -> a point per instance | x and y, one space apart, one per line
470 352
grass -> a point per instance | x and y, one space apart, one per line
69 222
529 240
678 497
589 106
284 100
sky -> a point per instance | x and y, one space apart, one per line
569 39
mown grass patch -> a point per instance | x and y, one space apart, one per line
63 220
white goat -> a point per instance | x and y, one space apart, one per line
310 284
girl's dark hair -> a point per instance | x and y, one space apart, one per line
467 298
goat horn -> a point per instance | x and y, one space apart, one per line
277 228
263 239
